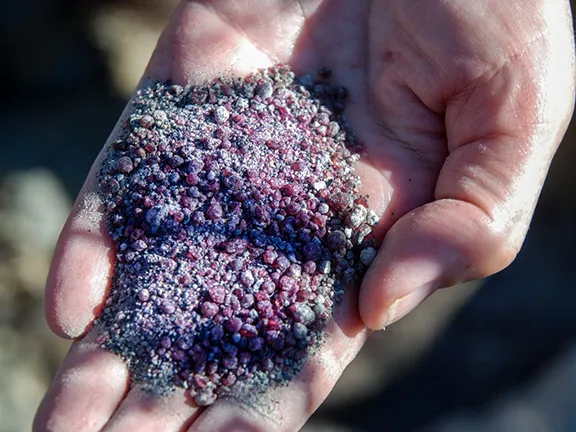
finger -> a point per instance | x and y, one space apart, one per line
142 410
287 408
501 138
88 387
439 244
81 267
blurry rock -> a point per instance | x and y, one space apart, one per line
127 33
33 209
21 380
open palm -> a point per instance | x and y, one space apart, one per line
460 105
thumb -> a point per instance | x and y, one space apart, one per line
502 133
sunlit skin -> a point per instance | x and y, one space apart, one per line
461 106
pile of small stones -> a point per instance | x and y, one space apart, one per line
237 218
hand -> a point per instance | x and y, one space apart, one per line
461 106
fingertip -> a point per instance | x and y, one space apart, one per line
80 273
88 387
389 313
426 249
396 288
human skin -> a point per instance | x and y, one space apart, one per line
461 106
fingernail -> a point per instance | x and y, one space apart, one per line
404 305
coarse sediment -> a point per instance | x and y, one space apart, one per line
237 219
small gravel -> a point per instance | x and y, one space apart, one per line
237 219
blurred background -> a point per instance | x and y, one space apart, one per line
497 355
